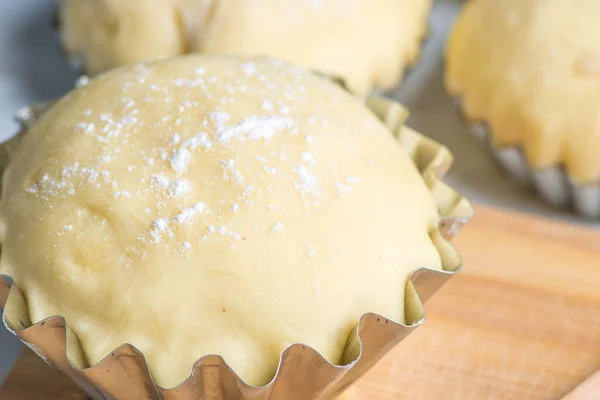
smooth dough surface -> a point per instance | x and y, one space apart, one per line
531 69
209 205
368 43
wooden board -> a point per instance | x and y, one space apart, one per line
520 321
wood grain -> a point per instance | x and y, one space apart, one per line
520 321
32 378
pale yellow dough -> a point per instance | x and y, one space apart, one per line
208 205
368 43
531 69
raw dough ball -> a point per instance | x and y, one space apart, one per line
209 205
368 43
531 69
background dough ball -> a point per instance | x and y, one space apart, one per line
368 43
531 70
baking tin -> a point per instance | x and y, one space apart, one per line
553 184
302 372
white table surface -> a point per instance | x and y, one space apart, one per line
32 70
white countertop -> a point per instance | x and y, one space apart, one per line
32 70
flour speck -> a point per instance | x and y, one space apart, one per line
307 157
306 180
267 106
249 68
160 228
32 188
180 187
180 159
122 194
255 128
175 138
277 227
160 181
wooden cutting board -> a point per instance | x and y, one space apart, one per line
520 321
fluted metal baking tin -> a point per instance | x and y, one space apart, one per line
553 184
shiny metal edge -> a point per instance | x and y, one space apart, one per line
553 185
302 372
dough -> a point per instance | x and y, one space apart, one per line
531 69
213 205
368 43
